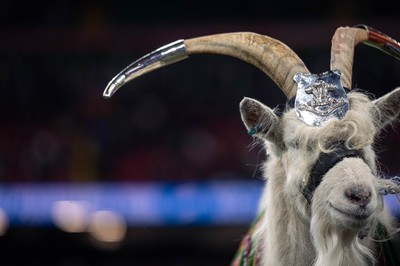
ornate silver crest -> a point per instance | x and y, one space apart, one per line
320 97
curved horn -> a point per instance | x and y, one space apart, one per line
346 38
271 56
342 52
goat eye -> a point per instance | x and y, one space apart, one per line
333 144
295 144
310 147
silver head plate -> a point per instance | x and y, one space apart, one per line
320 97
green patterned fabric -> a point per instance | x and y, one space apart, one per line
247 255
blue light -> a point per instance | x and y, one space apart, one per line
144 204
150 204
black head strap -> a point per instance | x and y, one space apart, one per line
324 163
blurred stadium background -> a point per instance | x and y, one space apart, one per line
163 173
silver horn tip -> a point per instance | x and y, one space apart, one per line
114 85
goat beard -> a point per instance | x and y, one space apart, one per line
336 245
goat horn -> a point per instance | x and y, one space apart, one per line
346 38
271 56
342 52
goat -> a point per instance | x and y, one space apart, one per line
323 199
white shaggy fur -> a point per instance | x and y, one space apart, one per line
330 230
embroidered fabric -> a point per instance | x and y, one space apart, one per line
247 255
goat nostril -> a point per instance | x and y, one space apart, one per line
359 195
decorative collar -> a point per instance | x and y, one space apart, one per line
247 253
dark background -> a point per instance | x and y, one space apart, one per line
179 123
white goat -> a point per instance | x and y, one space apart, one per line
323 201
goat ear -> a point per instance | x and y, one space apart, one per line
388 108
259 119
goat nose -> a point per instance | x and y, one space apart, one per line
360 195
